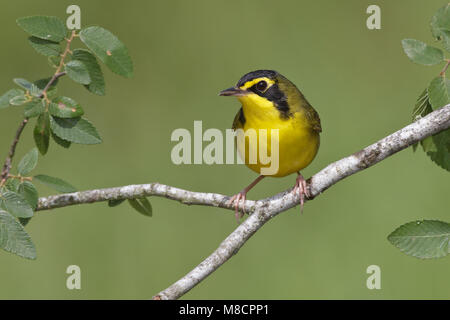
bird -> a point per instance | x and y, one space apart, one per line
270 101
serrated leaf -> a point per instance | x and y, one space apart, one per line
142 205
27 85
42 83
439 151
5 98
437 147
16 204
34 108
28 191
35 91
428 145
77 130
14 238
45 47
18 100
439 92
97 85
63 143
109 49
54 61
422 239
12 185
23 83
41 133
421 53
65 107
446 39
44 27
55 183
115 203
28 162
78 72
24 221
440 22
422 106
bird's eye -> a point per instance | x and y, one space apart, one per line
261 86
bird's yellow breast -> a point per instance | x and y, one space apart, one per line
297 142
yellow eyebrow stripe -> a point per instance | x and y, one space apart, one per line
250 83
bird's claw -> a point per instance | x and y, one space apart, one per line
241 196
301 189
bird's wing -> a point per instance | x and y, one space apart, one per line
314 119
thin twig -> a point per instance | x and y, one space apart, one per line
445 68
263 210
12 150
66 51
52 80
58 73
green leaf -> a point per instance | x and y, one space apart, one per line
54 61
115 203
27 85
421 53
422 106
28 191
23 83
42 133
16 204
42 83
64 107
24 221
77 130
34 108
12 185
43 27
18 100
439 92
422 239
97 85
55 183
446 39
63 143
109 49
142 205
440 23
45 47
438 149
28 162
78 72
428 145
14 238
4 99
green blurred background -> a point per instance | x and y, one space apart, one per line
184 53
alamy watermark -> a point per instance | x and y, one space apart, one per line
254 147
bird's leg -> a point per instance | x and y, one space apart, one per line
301 189
242 196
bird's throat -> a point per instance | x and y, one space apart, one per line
257 108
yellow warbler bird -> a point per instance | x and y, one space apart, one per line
270 101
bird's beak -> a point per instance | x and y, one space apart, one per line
233 91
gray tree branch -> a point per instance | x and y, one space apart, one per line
265 209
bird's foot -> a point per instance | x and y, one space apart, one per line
301 189
241 196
